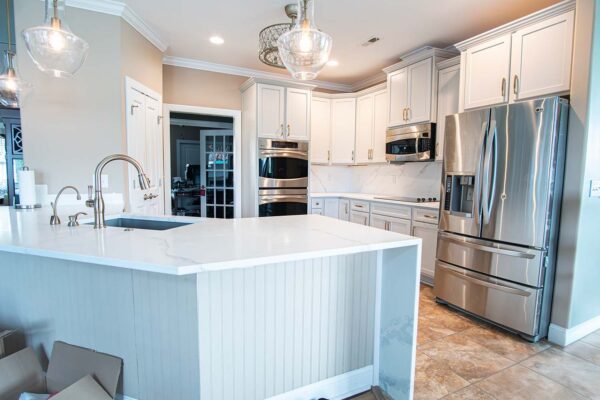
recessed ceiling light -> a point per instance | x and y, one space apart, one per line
333 63
218 40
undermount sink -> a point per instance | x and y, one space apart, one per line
134 223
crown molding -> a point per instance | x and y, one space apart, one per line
122 10
450 62
420 54
517 24
370 81
249 72
372 89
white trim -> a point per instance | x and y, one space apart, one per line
450 62
120 396
249 72
237 145
140 87
122 10
370 81
565 336
337 388
373 89
420 54
517 24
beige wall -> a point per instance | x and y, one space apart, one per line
193 87
71 124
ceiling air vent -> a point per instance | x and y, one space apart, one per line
369 42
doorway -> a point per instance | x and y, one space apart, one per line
202 152
11 154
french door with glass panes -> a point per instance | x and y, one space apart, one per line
217 151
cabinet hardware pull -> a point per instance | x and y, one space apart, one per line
503 87
282 131
328 155
158 119
404 114
430 216
408 114
133 106
352 155
288 129
516 85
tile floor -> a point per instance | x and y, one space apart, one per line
459 358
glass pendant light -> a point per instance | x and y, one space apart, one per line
52 46
12 88
304 49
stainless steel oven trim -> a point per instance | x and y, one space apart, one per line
283 199
490 248
282 183
300 155
279 192
267 144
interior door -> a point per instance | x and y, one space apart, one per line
380 117
364 129
136 146
538 68
320 131
154 157
398 97
486 73
297 114
518 172
271 111
419 91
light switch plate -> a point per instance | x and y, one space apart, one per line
595 188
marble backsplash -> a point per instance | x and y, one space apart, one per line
407 179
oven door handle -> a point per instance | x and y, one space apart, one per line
286 153
283 199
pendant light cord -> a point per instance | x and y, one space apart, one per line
8 26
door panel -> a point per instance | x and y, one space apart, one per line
297 114
516 199
486 73
271 101
500 301
320 131
380 117
419 91
398 87
364 128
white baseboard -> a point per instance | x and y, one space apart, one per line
123 397
565 336
337 388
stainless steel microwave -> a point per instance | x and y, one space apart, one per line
411 143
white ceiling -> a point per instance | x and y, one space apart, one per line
402 25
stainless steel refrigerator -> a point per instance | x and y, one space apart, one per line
500 204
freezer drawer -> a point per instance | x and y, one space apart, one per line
514 306
517 264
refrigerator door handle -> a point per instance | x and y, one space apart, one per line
485 190
483 281
477 194
498 250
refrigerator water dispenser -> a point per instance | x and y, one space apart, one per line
458 199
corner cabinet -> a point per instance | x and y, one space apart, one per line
448 97
320 131
371 114
412 87
283 113
525 62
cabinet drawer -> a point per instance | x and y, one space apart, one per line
316 203
359 205
392 210
426 215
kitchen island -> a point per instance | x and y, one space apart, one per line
295 307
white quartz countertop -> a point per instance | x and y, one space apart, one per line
434 205
205 245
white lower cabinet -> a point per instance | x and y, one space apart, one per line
344 209
359 217
331 208
391 224
428 233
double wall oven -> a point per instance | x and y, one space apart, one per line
282 177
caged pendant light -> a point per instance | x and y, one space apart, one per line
12 88
54 48
305 49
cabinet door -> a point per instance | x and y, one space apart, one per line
359 217
271 111
331 208
364 129
320 130
400 225
448 88
398 97
380 117
486 73
344 209
378 221
428 233
419 91
541 58
297 112
343 128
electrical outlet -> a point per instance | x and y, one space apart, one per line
595 188
104 179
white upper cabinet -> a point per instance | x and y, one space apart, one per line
530 58
297 113
271 111
419 91
486 73
541 58
364 129
320 131
343 130
283 113
398 95
448 95
380 117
